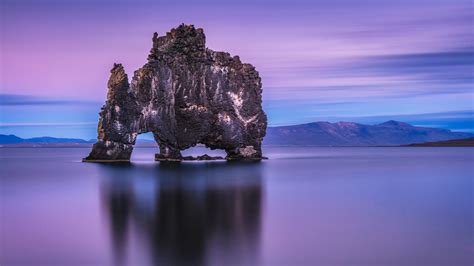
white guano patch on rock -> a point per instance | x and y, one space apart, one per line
248 151
219 69
237 102
193 107
236 99
218 94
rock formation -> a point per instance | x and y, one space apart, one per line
185 94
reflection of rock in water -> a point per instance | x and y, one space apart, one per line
195 214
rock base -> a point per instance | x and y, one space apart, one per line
205 157
161 158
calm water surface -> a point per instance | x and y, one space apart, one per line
304 206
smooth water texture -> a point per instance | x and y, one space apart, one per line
303 206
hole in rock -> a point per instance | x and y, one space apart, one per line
145 148
145 140
201 150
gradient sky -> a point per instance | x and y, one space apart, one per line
364 61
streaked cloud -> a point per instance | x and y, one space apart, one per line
15 99
47 124
319 59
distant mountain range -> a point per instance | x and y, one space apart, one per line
390 133
12 139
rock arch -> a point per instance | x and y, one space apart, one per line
185 94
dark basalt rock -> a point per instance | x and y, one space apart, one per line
185 94
205 157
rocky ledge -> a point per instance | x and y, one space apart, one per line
205 157
186 94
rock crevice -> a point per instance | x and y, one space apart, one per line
186 94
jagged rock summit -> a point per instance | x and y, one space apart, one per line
186 94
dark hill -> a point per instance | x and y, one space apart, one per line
353 134
469 142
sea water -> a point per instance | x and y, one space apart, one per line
303 206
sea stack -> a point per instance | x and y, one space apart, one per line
186 94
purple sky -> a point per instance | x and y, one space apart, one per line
323 60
